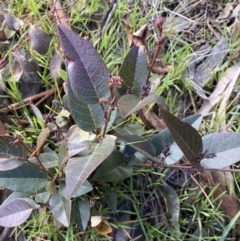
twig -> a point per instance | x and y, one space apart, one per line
157 163
198 184
28 100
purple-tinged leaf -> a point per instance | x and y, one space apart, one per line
16 195
87 117
9 163
15 213
78 169
61 209
12 154
133 71
88 75
186 137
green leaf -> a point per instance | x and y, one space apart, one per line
88 80
111 121
219 142
186 137
222 159
164 137
225 145
49 159
81 212
141 144
12 154
75 134
134 129
172 201
79 168
62 153
85 188
37 113
25 178
129 104
113 169
87 73
133 71
42 197
63 74
110 196
60 208
86 116
176 153
15 212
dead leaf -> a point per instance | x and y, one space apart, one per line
229 203
2 36
11 72
2 129
161 70
103 228
235 37
60 14
13 22
95 220
40 41
226 11
101 224
51 187
128 32
154 120
205 70
4 45
175 24
231 74
141 36
222 109
55 65
27 62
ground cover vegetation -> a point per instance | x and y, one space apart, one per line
119 120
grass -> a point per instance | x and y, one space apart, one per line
198 217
